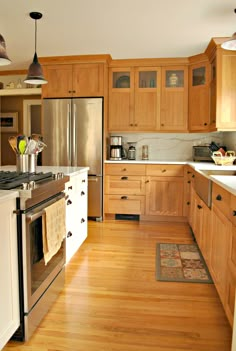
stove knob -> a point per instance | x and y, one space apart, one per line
32 184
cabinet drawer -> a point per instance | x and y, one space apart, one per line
165 170
221 199
133 185
122 204
124 169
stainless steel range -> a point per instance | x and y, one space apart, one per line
40 281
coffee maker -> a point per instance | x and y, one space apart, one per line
116 148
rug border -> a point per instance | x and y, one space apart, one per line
158 267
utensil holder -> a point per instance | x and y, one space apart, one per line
26 163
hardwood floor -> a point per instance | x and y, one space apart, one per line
112 301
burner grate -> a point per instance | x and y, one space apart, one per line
10 180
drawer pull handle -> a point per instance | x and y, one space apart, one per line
199 207
189 172
193 176
234 213
82 193
124 169
69 202
69 234
124 197
163 170
189 181
147 181
219 197
70 187
124 178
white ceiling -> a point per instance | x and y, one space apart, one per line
122 28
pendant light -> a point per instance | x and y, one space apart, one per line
35 72
4 59
230 44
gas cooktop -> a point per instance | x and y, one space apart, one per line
11 180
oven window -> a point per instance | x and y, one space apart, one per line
39 271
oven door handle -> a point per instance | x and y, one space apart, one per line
32 217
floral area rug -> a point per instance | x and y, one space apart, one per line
181 263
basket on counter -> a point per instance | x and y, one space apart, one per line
226 160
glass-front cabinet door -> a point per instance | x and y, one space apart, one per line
147 98
199 97
121 99
174 99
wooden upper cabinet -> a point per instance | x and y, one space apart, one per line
77 80
59 79
134 99
199 97
174 99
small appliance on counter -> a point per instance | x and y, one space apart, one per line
203 153
131 151
115 148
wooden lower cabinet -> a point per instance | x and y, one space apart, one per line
220 250
123 204
230 296
164 196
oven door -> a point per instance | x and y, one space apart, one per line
37 276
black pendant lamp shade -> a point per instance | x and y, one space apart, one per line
4 59
35 72
230 44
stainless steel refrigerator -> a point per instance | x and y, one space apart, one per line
73 132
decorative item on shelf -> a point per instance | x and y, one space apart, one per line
10 85
152 83
4 59
19 85
173 80
35 72
123 82
230 44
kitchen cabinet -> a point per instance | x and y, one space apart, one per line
223 85
73 80
134 99
188 176
174 99
199 97
10 314
124 189
221 238
76 213
164 190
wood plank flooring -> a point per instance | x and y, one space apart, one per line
112 301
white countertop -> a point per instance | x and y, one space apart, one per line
8 194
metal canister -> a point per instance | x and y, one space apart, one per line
131 153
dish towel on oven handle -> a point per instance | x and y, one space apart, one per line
54 229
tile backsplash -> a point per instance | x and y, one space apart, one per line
170 146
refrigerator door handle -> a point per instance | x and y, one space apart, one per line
68 131
74 138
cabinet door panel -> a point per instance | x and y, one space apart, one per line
164 196
146 110
173 110
120 112
59 81
88 80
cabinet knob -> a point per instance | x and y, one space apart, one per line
188 172
189 181
69 202
124 178
205 124
124 170
162 124
82 220
83 180
70 91
199 207
163 170
124 198
234 213
82 193
147 181
69 234
188 203
219 197
131 124
193 176
135 125
70 187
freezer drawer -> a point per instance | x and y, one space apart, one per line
95 198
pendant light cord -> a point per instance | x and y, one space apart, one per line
35 35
